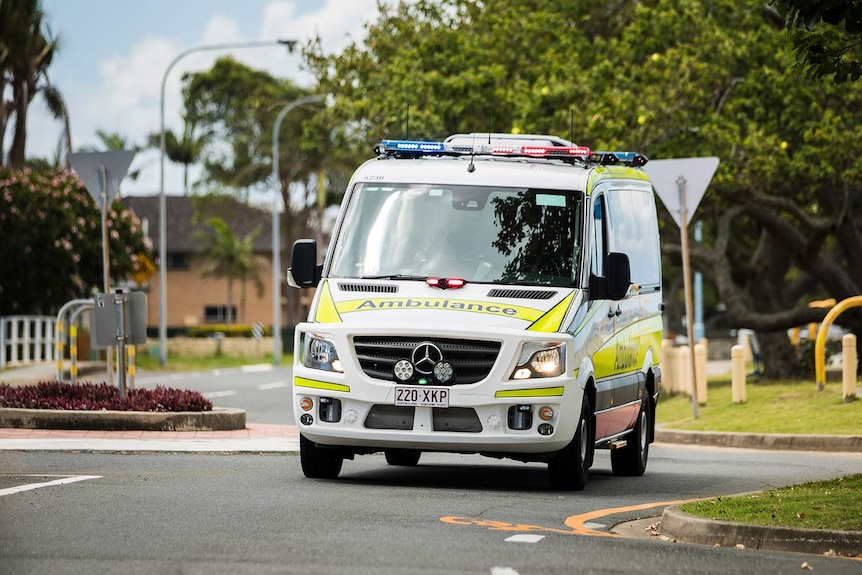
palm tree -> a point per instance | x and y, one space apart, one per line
226 256
186 150
27 49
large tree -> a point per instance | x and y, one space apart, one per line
669 78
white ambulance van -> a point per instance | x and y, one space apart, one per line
491 294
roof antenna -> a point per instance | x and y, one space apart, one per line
572 125
407 123
472 167
489 127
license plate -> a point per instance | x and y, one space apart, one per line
422 396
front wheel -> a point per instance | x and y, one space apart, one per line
631 460
570 467
318 462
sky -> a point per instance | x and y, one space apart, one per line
114 55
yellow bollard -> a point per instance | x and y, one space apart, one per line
60 338
73 354
737 373
700 371
131 366
684 370
666 366
848 369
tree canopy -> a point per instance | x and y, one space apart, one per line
827 36
668 78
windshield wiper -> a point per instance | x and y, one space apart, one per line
395 277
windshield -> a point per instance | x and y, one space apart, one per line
479 234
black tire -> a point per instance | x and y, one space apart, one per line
404 457
631 460
318 462
570 467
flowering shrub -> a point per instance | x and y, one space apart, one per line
51 248
97 397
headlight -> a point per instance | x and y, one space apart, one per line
540 359
318 352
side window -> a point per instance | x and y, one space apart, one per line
634 232
597 257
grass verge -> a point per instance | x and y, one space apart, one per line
770 407
187 363
832 504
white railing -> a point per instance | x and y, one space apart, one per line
27 339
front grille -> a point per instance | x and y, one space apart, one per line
472 360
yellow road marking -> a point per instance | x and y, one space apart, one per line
575 523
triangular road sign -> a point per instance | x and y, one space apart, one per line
89 166
665 175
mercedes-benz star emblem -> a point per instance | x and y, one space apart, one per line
425 356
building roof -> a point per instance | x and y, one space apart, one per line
180 211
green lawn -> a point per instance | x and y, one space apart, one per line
184 363
770 407
831 504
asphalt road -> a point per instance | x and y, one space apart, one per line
263 391
195 513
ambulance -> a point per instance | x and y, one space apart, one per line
491 293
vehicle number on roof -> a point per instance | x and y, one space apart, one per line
422 396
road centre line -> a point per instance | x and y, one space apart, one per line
524 538
503 571
214 394
66 479
273 385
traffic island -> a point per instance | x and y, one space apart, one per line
219 419
685 528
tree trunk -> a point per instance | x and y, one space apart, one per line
19 138
777 357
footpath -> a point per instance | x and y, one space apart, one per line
261 438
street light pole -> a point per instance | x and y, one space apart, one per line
276 240
163 226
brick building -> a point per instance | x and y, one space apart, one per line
193 299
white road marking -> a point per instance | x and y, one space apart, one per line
212 394
593 525
524 538
273 385
65 479
503 571
256 368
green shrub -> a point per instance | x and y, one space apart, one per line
229 330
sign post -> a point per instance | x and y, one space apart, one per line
102 173
681 184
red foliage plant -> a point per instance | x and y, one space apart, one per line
97 397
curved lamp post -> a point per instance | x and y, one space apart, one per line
163 250
276 240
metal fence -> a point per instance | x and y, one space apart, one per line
27 339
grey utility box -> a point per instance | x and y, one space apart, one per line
118 314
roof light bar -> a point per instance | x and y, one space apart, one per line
412 148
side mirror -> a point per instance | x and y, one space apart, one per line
619 276
304 271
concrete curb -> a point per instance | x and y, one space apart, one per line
686 528
775 441
219 419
